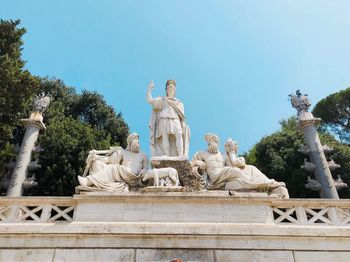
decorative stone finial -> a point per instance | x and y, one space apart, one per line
41 102
300 102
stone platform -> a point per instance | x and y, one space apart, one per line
192 226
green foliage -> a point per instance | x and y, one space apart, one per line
66 142
335 113
75 125
277 156
92 109
341 155
16 84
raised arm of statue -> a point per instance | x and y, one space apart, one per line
231 148
149 92
112 155
97 155
101 152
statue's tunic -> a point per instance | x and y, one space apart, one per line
167 115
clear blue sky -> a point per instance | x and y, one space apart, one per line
235 62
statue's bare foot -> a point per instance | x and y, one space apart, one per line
82 181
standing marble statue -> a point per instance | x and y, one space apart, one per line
229 172
169 134
117 169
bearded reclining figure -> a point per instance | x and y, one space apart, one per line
229 172
117 169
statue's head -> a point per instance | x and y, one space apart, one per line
231 146
133 143
213 143
170 88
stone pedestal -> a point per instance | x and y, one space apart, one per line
188 178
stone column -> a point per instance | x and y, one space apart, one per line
322 172
19 174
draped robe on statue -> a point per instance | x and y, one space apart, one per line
253 179
110 175
168 114
234 178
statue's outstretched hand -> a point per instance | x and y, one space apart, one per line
151 85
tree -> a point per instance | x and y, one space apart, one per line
76 123
334 110
277 156
90 108
17 85
66 143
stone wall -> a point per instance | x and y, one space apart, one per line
78 255
202 226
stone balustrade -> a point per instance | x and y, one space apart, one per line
284 212
192 226
312 212
37 209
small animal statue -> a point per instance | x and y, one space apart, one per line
162 176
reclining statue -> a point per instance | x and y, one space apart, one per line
117 169
229 172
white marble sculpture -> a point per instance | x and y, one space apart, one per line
300 102
308 166
162 176
255 178
169 134
230 172
116 169
312 184
321 169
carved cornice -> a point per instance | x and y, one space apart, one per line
309 122
33 122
